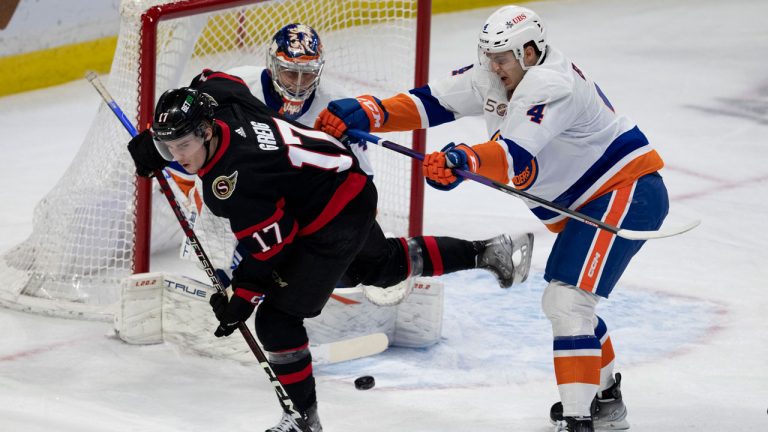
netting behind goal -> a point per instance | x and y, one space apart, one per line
85 231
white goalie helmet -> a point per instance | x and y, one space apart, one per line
509 29
295 60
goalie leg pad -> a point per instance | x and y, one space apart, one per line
138 319
419 321
349 316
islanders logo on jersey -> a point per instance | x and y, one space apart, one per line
224 186
525 174
524 165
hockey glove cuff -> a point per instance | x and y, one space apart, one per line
145 155
437 166
232 312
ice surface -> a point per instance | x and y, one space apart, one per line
689 319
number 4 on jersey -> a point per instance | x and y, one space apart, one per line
536 113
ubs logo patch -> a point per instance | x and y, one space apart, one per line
224 186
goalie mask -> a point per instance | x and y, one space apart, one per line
295 62
509 29
178 127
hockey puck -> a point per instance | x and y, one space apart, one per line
365 382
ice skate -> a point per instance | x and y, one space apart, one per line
578 424
509 259
608 411
288 424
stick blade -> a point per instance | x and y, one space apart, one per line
350 349
661 233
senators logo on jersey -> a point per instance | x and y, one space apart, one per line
224 186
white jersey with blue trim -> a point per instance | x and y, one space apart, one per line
471 91
559 133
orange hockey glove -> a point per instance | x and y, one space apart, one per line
437 166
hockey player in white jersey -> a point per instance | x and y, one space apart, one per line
553 133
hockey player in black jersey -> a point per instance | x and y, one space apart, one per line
304 211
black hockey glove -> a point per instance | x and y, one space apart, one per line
145 154
231 312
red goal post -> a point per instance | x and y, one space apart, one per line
147 67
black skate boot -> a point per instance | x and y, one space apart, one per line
288 424
509 259
608 410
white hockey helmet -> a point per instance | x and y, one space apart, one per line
509 29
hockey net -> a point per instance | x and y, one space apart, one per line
85 230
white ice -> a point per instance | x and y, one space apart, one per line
689 318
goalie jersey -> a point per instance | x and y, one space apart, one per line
274 179
260 82
558 136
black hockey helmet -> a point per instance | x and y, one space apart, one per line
178 113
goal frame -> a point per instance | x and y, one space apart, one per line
146 104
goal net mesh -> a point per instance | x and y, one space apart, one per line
82 243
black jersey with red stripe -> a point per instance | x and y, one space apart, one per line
274 179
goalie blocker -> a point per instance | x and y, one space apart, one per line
158 307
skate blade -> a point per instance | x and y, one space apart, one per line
612 426
559 426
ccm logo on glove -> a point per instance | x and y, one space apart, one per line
373 109
249 296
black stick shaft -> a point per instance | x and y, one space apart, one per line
624 233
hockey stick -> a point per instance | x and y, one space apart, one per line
621 232
349 349
282 395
